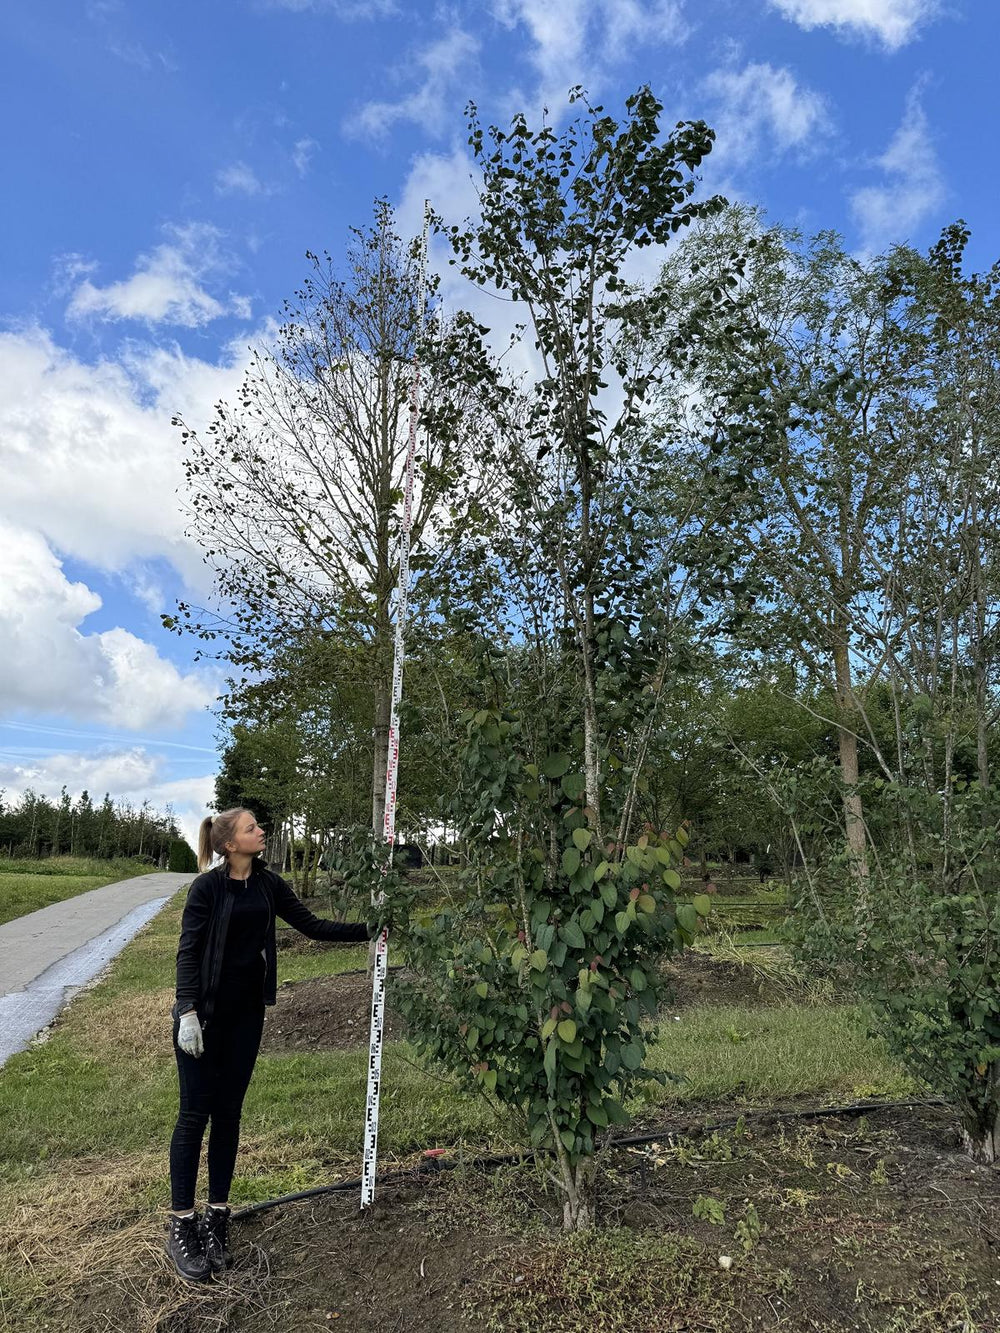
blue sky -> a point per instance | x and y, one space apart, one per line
167 165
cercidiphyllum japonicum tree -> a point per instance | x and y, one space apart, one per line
561 218
294 492
534 990
539 988
927 968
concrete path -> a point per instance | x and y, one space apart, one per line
48 955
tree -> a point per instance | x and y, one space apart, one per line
534 989
294 492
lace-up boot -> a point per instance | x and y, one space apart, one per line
187 1249
215 1237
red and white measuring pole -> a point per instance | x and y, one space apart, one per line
392 760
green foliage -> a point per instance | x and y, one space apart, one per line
181 858
538 989
710 1209
925 952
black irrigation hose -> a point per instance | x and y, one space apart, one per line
435 1164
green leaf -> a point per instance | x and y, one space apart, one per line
568 1139
702 904
600 870
573 786
583 838
570 862
637 979
539 959
687 918
609 892
482 990
583 997
632 1055
671 879
548 1027
597 1115
555 765
567 1031
549 1061
622 922
646 903
573 935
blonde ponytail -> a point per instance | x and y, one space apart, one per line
205 853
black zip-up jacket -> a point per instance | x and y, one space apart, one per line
203 935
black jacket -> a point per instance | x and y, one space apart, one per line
203 935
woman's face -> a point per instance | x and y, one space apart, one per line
248 837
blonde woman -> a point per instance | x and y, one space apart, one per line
226 965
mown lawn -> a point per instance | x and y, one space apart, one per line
25 886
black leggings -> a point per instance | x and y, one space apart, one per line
213 1086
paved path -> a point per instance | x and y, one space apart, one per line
48 955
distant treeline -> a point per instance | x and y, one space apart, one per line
35 826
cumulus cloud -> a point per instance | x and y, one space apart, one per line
87 453
761 111
50 666
577 41
891 22
237 178
168 285
438 66
913 187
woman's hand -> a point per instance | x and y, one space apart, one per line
189 1037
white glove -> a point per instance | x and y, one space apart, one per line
189 1036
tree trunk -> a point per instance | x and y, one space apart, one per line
981 1125
854 823
578 1188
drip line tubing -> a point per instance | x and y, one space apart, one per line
433 1165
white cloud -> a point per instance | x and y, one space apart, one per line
302 155
132 775
167 285
914 186
577 41
763 112
439 65
50 666
892 22
88 456
237 178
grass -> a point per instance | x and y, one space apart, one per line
105 1082
25 886
86 1117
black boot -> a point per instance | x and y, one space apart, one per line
187 1249
215 1237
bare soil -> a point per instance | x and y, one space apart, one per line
324 1014
333 1013
878 1225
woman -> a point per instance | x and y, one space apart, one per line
226 966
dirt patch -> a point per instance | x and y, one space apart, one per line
875 1224
695 977
324 1014
333 1013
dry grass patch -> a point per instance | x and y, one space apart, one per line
82 1250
